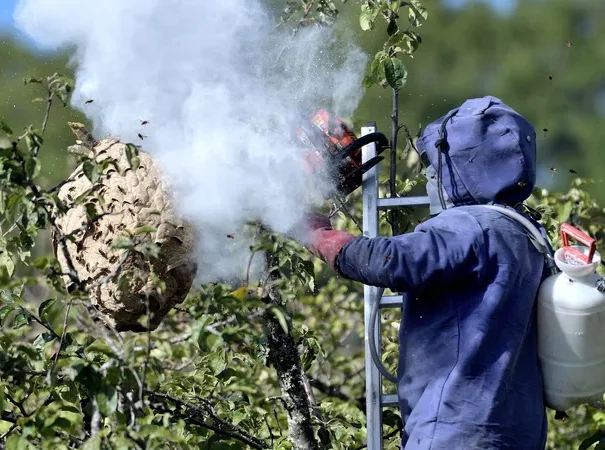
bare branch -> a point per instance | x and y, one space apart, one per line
61 340
193 414
49 103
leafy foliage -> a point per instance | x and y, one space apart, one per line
386 68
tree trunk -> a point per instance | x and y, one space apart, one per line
284 357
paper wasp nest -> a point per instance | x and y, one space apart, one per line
134 198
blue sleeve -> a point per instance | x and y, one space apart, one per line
445 249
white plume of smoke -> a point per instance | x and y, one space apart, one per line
221 90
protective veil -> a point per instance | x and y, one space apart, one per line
469 376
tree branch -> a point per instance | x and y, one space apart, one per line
394 214
192 415
332 391
49 104
283 355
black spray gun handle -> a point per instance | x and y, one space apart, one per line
379 138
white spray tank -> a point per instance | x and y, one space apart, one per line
571 325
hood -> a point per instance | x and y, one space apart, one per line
487 152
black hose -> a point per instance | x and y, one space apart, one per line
374 315
379 138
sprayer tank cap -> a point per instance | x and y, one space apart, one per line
575 268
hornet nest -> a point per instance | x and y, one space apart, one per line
124 200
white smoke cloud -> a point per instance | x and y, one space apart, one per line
221 90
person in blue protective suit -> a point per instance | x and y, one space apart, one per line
469 375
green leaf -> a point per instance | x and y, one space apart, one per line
108 400
376 72
281 318
4 127
308 267
91 210
38 100
121 242
28 80
395 72
124 282
588 442
42 339
145 229
4 312
6 297
90 170
366 18
565 212
7 263
132 154
21 320
44 307
100 346
41 263
33 141
240 294
417 13
92 444
32 167
18 442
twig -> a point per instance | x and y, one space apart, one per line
281 433
17 404
49 103
8 417
9 431
247 282
393 162
148 355
394 138
343 206
36 319
332 391
62 338
306 12
270 430
237 433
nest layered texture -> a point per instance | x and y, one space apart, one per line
123 288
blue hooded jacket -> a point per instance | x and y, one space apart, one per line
469 374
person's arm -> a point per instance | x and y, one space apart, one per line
323 241
448 250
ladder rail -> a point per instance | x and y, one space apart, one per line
372 204
370 229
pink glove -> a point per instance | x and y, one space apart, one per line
323 241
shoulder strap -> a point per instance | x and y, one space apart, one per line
532 232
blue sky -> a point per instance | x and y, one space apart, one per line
6 12
7 7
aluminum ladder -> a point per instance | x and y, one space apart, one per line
372 203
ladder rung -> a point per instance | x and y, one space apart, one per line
391 301
389 400
399 202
